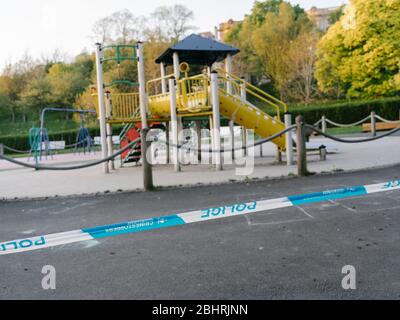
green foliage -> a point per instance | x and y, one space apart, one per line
336 15
359 55
349 112
277 41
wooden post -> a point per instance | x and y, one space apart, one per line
373 123
102 106
198 134
147 169
323 124
289 140
301 148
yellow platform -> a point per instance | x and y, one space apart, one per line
193 100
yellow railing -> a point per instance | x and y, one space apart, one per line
237 84
192 94
154 86
122 107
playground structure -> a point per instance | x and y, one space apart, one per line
39 141
180 97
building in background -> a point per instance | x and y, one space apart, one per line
321 16
225 27
220 33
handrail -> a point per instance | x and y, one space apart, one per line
249 85
238 88
192 94
157 80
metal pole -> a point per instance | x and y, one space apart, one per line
163 80
301 148
244 141
177 71
167 138
232 132
102 107
216 35
147 168
373 123
228 68
211 145
243 92
110 145
289 140
216 119
1 149
323 124
243 96
142 86
174 124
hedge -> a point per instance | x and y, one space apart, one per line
21 142
349 112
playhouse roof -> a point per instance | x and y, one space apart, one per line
198 50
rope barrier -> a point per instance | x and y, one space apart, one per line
387 121
269 139
318 123
352 141
15 150
348 125
83 166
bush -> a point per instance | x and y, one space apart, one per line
349 112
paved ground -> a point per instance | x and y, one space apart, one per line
21 183
291 253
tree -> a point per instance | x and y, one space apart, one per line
66 83
102 30
336 15
359 55
7 96
274 42
303 56
172 23
124 24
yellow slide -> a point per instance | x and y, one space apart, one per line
234 93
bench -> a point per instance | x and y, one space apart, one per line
381 126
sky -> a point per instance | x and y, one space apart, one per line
40 27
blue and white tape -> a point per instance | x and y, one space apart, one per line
57 239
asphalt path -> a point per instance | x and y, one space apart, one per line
291 253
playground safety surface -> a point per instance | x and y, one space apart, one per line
294 252
28 183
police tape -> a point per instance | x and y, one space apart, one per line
57 239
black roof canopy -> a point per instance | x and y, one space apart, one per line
198 50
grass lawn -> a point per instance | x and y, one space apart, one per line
351 130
